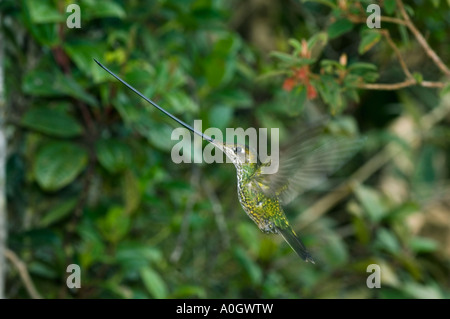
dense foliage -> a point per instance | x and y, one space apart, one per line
89 175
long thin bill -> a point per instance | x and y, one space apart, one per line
206 137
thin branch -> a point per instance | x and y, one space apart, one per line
392 20
357 19
23 272
422 41
387 86
400 85
389 152
394 47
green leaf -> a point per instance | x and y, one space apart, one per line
221 64
389 6
418 77
115 224
51 122
59 212
339 27
179 103
154 283
362 66
291 60
220 116
133 256
101 9
45 34
215 71
423 245
113 155
44 11
402 211
57 164
371 201
422 291
369 39
53 83
387 241
82 54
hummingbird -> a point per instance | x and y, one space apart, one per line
302 166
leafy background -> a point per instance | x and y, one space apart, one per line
89 175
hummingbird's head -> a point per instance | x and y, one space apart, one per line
239 154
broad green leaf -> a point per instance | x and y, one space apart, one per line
57 164
82 54
220 116
133 256
154 283
368 40
51 83
291 60
159 135
371 201
422 291
59 212
179 103
51 122
423 245
418 77
101 9
45 34
215 71
389 6
387 241
113 155
401 212
362 66
339 27
115 224
44 11
221 64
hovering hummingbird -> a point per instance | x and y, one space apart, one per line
304 165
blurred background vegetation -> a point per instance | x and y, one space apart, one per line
89 178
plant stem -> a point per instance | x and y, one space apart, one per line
3 155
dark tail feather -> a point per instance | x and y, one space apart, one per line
296 244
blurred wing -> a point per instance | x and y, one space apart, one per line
307 162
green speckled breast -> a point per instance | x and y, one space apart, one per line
265 211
